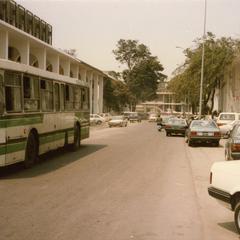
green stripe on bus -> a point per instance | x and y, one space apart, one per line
10 148
10 122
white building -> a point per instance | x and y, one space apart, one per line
26 39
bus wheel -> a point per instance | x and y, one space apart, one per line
31 153
76 143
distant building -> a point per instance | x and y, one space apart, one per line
165 102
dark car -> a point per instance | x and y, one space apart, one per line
134 117
232 146
203 131
175 126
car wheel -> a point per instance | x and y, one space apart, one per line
77 138
190 144
237 216
31 154
216 144
98 122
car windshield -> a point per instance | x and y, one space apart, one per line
176 121
203 124
117 117
227 116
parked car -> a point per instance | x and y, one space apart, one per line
203 131
134 117
126 115
118 121
106 116
227 128
152 117
225 186
176 126
96 119
232 146
227 117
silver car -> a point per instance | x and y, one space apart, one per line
118 121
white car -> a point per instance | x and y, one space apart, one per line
227 128
227 117
225 186
152 118
118 121
96 119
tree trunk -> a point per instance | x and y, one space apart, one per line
212 100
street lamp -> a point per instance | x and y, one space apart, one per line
203 53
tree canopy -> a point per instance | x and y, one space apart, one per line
219 53
143 70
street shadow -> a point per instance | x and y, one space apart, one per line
177 135
230 226
209 145
49 162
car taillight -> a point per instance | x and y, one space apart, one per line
217 134
193 133
235 147
210 177
167 126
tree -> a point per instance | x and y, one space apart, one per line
116 95
130 52
143 70
219 53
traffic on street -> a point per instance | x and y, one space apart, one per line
123 183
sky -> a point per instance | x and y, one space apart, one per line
93 27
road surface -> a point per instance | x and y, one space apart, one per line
124 183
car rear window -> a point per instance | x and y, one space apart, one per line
227 117
177 122
207 124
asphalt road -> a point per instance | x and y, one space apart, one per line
124 183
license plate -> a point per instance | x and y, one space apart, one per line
205 134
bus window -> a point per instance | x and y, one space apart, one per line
46 95
1 95
13 92
85 100
62 97
69 98
77 98
56 97
31 93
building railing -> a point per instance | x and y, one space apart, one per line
21 18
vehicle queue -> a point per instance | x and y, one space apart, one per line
211 131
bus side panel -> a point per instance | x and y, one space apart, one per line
2 146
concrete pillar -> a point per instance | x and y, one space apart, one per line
66 66
41 55
75 70
89 75
95 94
4 44
83 73
54 60
24 49
100 101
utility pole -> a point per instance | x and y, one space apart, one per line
203 53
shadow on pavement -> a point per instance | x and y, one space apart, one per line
49 162
230 226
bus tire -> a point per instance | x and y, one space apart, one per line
31 153
77 140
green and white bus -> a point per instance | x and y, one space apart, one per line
39 113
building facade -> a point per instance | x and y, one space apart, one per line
165 102
26 39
